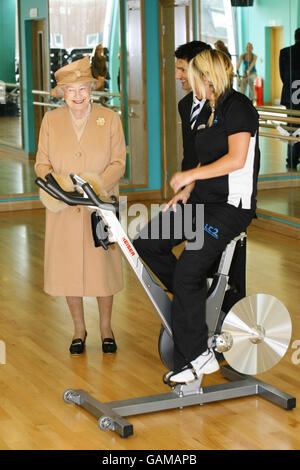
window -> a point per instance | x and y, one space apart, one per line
217 23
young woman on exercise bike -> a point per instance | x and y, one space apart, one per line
225 182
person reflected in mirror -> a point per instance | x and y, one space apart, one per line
221 46
86 139
99 67
249 76
289 68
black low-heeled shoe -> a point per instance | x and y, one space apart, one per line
109 345
78 345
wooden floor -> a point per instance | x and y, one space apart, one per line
273 156
11 130
17 173
283 201
37 330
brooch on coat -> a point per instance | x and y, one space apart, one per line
100 121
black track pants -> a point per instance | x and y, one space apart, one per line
186 276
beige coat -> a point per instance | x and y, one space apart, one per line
73 266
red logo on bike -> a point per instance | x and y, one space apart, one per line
127 244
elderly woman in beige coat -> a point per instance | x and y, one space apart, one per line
88 140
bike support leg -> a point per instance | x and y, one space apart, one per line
110 415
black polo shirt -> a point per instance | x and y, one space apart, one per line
234 113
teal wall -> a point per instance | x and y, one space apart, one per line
25 54
152 93
7 40
196 30
124 85
254 26
114 46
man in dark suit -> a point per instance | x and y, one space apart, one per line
289 67
184 54
191 121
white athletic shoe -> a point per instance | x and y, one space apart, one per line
206 363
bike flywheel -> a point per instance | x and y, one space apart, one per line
260 328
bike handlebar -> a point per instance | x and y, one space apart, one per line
74 198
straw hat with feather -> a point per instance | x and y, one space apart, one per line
78 71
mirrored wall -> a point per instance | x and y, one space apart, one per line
264 38
16 173
258 30
89 27
113 38
268 72
93 28
10 103
68 31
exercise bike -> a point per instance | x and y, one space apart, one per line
252 337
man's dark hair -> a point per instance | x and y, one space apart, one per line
297 35
189 50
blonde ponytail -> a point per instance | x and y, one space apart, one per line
216 68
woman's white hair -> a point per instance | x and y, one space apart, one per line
60 91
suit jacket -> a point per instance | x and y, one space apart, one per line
190 159
289 67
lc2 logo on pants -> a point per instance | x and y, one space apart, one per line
212 230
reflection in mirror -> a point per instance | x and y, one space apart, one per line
264 74
218 27
266 37
93 22
136 175
17 175
10 110
93 31
290 76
